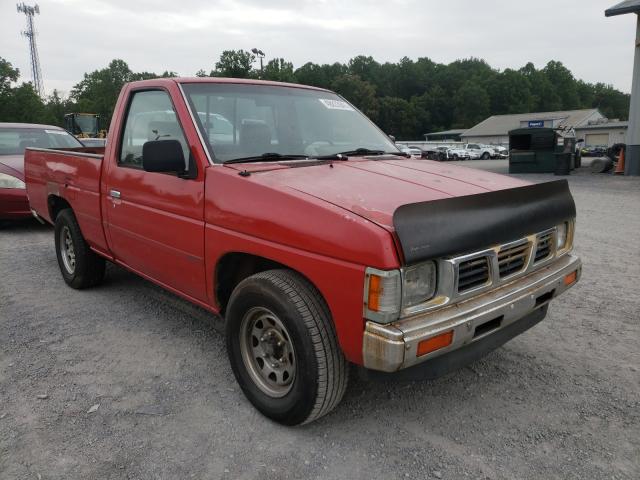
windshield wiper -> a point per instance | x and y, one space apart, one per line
266 157
358 152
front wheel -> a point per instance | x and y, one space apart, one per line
485 156
283 348
79 265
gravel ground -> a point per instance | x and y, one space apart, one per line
127 381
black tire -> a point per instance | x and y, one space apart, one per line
88 267
321 371
485 156
455 157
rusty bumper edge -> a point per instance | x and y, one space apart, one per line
392 347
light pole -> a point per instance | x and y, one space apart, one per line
260 55
632 155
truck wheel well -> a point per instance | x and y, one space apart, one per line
234 267
56 205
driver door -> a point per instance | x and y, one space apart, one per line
156 220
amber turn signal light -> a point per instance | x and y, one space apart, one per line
375 290
571 278
435 343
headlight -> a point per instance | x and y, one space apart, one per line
388 292
562 231
7 181
419 284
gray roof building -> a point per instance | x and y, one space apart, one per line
495 128
628 6
603 133
604 125
453 134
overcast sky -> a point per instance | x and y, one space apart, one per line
78 36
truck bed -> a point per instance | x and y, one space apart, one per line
55 176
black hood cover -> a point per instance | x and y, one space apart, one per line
457 225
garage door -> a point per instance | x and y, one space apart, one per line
594 139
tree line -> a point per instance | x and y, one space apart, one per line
405 99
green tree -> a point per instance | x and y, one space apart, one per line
236 64
366 68
98 91
433 111
471 105
510 93
544 97
279 70
313 74
564 84
8 75
20 103
57 107
397 117
611 102
406 98
24 105
362 94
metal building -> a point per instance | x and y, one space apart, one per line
605 134
495 129
632 163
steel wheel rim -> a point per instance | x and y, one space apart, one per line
67 250
267 352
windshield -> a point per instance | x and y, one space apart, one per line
87 124
239 121
13 141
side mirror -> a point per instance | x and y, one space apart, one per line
163 156
393 139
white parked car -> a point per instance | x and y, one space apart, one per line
456 153
500 151
416 152
477 150
404 149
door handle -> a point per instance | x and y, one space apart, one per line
114 193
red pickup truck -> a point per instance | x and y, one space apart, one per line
284 209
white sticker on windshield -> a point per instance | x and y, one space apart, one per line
335 104
57 132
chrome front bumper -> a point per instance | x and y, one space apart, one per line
394 346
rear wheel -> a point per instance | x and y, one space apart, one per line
79 265
283 348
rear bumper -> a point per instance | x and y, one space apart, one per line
392 347
14 204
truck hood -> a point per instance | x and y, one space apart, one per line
374 189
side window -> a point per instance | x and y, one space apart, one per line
150 117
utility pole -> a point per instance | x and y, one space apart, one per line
30 33
260 55
632 155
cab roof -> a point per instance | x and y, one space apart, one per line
225 80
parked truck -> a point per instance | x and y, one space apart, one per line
478 151
284 209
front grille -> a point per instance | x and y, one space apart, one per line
473 273
513 259
543 246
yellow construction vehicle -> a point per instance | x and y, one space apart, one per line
84 125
